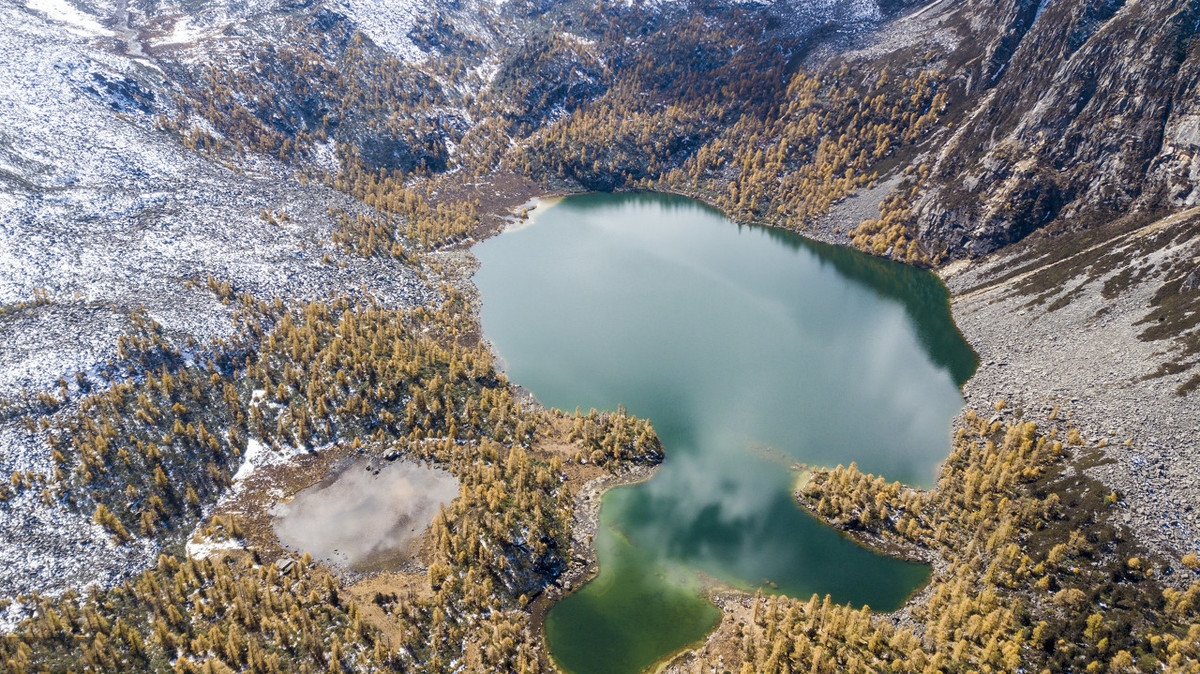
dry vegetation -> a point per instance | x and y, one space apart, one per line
825 140
1034 574
148 454
708 108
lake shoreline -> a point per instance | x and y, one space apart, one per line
1085 364
585 522
1026 355
784 265
1008 358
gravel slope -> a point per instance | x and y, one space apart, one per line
1092 364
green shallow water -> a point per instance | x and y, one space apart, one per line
750 350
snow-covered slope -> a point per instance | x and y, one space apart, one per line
98 207
108 214
105 213
387 22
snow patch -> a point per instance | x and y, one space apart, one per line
324 155
258 456
388 23
183 31
206 548
577 39
63 12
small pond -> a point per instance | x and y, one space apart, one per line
367 516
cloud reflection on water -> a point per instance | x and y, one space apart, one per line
747 356
367 515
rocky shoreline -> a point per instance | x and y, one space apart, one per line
1085 359
585 521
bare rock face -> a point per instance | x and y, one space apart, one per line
1078 109
1192 280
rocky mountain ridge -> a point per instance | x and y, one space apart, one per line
1084 111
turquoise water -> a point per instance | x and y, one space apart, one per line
750 350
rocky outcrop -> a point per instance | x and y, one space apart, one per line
1073 109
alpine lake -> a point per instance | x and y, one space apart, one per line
753 352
